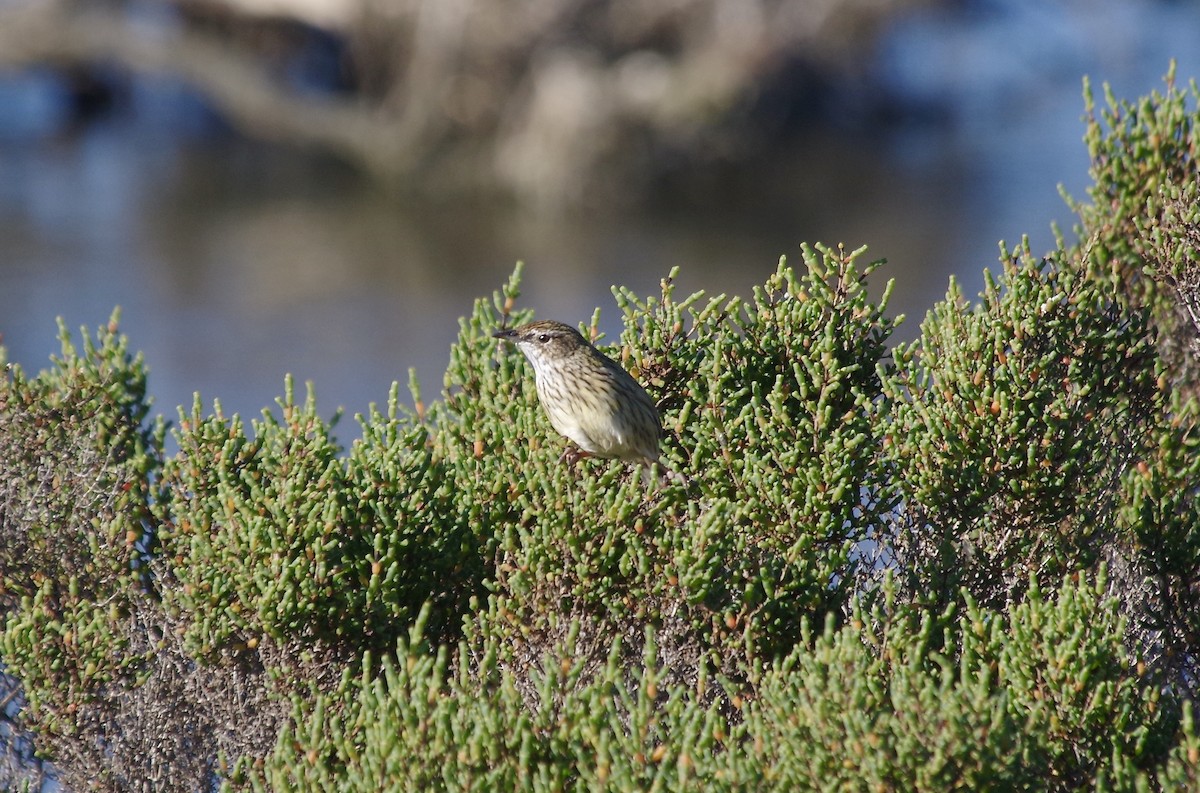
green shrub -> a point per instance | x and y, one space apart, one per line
1142 214
74 495
75 534
1041 698
460 720
276 534
1161 518
996 525
774 476
1012 421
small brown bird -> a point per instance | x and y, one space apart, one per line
589 398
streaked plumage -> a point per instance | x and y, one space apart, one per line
588 397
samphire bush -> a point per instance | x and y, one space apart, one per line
969 562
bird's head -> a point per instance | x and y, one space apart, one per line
545 341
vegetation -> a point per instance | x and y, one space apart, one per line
972 562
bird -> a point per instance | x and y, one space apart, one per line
587 396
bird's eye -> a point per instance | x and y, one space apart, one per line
543 338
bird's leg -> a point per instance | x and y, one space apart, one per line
574 454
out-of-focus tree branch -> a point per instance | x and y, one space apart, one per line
551 101
236 83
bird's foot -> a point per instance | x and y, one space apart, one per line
573 454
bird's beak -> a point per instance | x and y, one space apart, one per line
506 334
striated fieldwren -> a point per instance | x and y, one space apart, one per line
589 398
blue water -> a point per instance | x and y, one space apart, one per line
236 262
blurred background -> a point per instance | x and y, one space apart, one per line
322 187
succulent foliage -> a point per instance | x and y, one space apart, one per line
967 562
